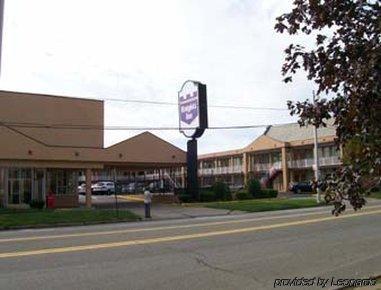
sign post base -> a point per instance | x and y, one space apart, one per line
192 176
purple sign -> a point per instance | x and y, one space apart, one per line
189 108
193 118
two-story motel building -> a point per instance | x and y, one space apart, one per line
285 152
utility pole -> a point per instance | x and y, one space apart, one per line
316 157
1 27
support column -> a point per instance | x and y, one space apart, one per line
88 188
245 161
252 162
6 189
285 172
215 166
182 177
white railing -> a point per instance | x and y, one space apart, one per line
323 161
331 160
267 166
237 168
220 170
300 163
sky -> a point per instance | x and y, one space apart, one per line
145 50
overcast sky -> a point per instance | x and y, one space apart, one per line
146 49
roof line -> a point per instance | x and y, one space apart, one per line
51 96
145 132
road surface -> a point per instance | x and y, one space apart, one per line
238 252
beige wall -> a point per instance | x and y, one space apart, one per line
44 147
42 109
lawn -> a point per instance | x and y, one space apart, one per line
257 205
13 218
376 194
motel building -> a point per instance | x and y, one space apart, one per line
282 154
50 144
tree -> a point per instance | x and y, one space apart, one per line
345 65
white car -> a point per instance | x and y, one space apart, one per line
82 189
103 187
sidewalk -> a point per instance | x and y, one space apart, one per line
165 211
159 211
172 211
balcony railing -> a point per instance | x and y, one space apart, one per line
220 170
329 161
267 166
305 163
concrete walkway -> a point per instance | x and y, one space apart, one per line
165 211
173 211
159 211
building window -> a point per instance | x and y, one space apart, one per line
276 157
61 181
19 185
237 161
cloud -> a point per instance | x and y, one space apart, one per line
146 50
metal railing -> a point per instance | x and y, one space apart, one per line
220 170
267 166
308 162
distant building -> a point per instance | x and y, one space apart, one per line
284 153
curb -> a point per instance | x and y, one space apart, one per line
59 225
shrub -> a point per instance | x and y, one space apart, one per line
269 193
253 187
221 191
241 195
206 196
39 204
183 197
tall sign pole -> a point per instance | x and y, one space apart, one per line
193 120
316 157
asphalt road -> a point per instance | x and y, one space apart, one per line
238 252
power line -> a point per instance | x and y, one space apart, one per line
210 106
122 128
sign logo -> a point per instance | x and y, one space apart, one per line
189 108
192 108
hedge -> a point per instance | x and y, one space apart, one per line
241 195
221 191
39 204
267 193
185 197
253 187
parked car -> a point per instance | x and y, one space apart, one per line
82 188
128 188
301 187
103 187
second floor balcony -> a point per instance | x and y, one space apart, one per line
266 166
220 170
309 162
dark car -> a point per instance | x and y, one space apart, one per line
301 187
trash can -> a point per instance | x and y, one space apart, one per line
50 200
